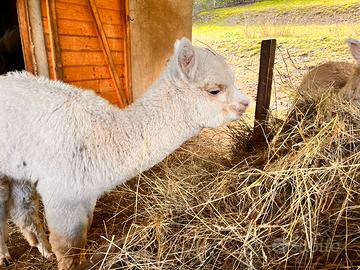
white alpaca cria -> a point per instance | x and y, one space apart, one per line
341 77
73 146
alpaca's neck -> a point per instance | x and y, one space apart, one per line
151 129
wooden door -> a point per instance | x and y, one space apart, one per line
87 44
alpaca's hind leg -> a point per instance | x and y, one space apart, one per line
68 224
24 207
4 196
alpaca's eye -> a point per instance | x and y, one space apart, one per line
214 92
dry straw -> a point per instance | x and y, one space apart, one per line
215 204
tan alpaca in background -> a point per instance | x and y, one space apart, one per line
340 77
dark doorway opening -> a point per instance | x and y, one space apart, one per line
11 56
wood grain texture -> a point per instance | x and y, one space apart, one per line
83 73
77 12
99 85
26 41
89 58
80 28
105 4
267 58
82 43
127 53
56 61
110 96
108 57
86 60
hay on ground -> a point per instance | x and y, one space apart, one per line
215 204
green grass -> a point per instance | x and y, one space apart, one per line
303 37
300 45
281 6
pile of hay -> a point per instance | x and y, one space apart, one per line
295 204
215 204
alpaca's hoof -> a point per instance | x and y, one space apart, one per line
5 260
50 256
45 252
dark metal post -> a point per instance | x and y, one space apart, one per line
267 59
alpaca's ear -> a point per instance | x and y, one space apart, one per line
355 49
185 58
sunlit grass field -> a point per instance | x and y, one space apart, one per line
308 32
327 40
283 6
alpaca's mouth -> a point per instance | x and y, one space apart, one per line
240 110
243 108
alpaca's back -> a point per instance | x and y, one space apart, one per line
42 123
328 75
341 77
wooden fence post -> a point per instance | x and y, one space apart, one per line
267 59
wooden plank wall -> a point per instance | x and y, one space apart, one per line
84 62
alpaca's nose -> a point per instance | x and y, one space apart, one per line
245 103
242 100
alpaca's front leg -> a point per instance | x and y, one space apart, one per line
68 224
4 196
5 258
24 211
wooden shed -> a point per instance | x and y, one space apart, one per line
115 47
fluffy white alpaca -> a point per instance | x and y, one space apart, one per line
341 77
73 145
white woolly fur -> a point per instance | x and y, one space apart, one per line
72 145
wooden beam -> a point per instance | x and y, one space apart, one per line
127 53
25 35
108 57
267 58
38 37
54 40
